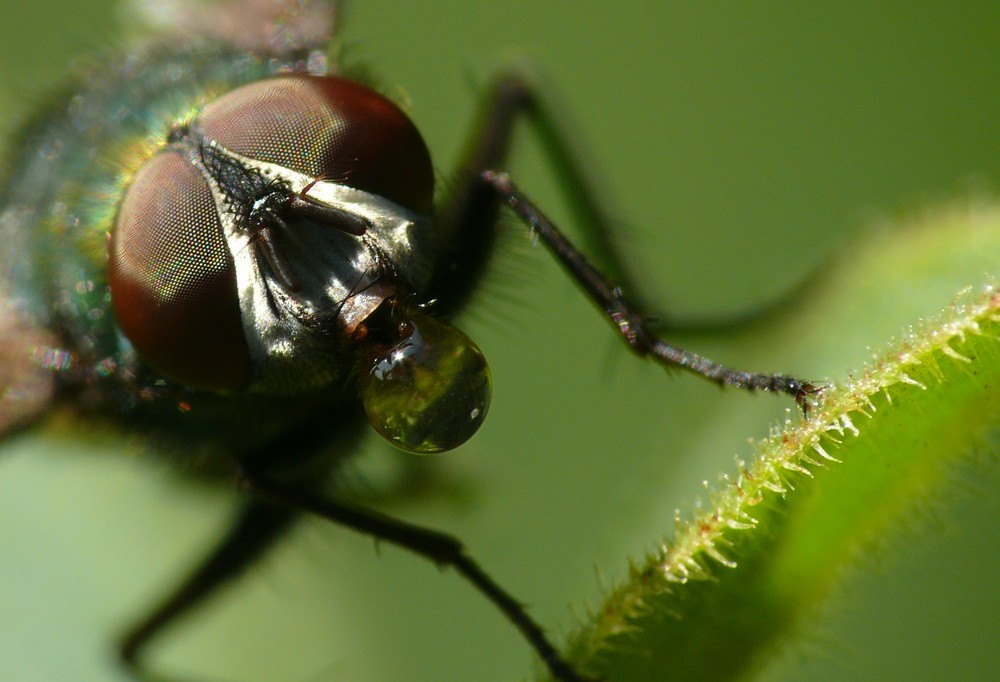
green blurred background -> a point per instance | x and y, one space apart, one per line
742 143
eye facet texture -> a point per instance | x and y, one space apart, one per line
329 128
172 279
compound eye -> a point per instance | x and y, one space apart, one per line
328 128
430 391
172 280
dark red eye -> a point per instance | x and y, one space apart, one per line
172 280
327 128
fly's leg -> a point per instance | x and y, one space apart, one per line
256 529
258 526
468 222
277 497
468 218
443 550
624 316
263 521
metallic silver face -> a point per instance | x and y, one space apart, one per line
341 277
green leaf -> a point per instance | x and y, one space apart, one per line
743 573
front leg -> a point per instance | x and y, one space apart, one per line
468 223
625 317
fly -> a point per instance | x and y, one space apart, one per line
273 263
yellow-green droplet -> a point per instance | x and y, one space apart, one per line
430 391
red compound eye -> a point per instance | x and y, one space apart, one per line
173 285
327 128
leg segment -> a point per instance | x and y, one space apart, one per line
468 222
443 550
468 217
255 531
624 316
